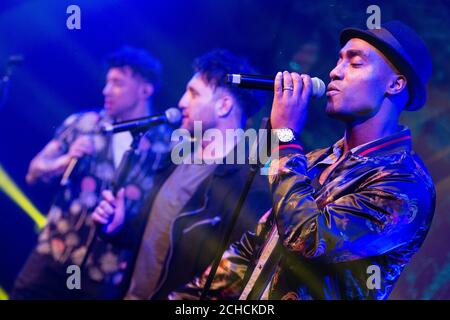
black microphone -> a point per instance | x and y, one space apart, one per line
171 116
15 59
5 80
249 81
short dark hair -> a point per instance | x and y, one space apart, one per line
213 67
139 61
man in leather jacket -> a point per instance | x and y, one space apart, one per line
193 202
346 219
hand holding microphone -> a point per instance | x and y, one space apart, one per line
82 146
292 93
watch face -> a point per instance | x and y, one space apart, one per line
285 134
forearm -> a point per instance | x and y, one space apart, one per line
295 209
45 169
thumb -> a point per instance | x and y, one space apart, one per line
119 215
120 198
120 204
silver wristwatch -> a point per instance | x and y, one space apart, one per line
285 135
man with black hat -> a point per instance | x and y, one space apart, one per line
346 219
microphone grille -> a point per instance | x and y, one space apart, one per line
318 87
173 115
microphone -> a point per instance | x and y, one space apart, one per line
249 81
171 116
15 59
65 178
5 80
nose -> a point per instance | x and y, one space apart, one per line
106 89
336 73
183 103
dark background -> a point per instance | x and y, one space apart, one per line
63 73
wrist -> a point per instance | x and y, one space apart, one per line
286 135
288 141
64 160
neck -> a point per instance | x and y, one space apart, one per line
358 133
220 151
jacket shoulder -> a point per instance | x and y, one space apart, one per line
312 156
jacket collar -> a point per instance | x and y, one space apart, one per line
399 141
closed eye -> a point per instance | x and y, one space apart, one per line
193 92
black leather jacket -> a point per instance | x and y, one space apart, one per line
197 231
348 238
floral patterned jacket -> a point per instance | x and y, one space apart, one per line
70 229
349 238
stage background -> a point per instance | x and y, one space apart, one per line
63 73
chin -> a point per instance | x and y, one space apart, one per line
187 126
331 109
109 113
335 112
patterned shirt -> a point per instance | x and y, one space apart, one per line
70 229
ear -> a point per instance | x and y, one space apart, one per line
147 90
224 105
396 84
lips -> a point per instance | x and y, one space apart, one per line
332 87
332 90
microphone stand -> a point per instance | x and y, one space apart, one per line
119 179
229 228
5 82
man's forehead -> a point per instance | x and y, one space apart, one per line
197 81
357 46
120 71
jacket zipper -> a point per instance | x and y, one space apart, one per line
169 257
212 221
